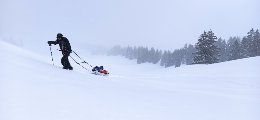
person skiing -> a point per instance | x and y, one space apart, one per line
65 48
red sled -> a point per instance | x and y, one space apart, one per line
101 72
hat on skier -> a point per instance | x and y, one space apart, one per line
59 35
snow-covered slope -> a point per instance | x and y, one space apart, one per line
31 88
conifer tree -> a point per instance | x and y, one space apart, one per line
252 48
206 49
235 50
257 42
222 47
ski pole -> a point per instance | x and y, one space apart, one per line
79 64
81 59
51 56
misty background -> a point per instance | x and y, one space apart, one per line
163 24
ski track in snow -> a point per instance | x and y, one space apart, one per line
32 88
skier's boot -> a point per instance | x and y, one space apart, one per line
65 68
70 68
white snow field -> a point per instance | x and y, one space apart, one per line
31 88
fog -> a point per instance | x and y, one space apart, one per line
163 24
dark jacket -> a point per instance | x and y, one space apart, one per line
64 45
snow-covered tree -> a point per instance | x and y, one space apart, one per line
165 60
189 55
158 56
257 42
222 47
207 51
252 47
235 50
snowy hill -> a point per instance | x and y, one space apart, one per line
31 88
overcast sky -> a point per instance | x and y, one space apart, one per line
164 24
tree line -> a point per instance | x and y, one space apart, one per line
208 50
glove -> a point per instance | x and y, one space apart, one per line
49 42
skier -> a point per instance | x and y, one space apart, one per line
65 48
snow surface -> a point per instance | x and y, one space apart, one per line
31 88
